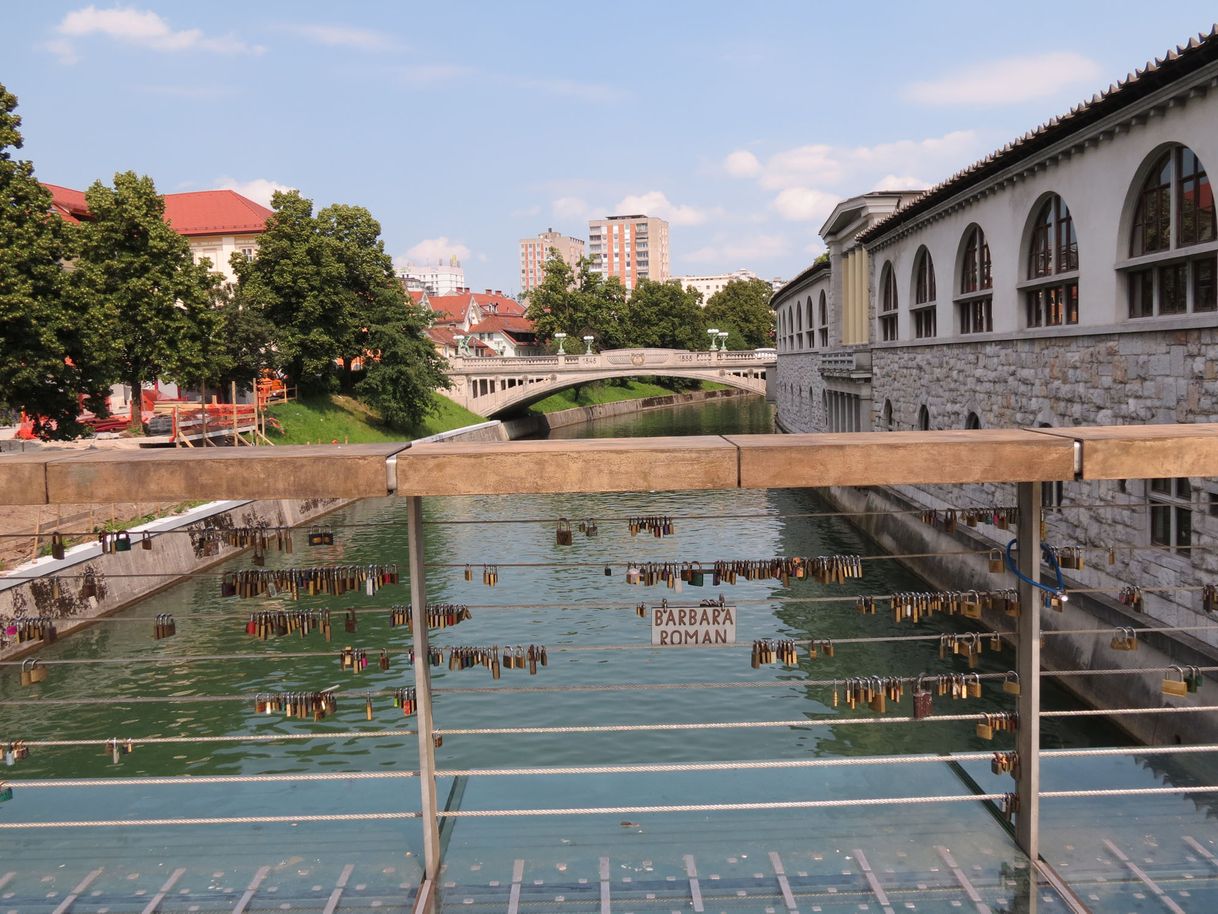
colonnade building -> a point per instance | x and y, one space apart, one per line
1069 278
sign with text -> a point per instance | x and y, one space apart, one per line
677 626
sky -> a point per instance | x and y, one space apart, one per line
466 126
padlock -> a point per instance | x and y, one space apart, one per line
38 672
985 728
923 701
970 605
122 542
1010 683
57 546
996 561
146 540
973 685
563 535
1177 687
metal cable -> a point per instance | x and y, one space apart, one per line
213 820
240 738
213 779
1142 750
718 807
676 767
1126 792
729 725
1118 712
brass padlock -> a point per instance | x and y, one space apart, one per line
996 561
564 536
923 701
985 728
1010 684
974 685
1177 687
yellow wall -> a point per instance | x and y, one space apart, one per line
855 297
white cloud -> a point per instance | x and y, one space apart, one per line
62 48
346 36
655 203
259 189
804 204
1006 82
900 182
142 28
570 208
742 164
730 253
434 250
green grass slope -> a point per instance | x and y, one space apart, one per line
323 419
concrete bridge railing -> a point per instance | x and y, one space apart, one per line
489 386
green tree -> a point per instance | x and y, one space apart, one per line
398 382
44 364
578 303
665 315
147 303
742 307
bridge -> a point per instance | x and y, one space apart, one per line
490 386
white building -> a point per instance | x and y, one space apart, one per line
438 279
708 285
632 248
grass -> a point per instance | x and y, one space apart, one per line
322 419
599 392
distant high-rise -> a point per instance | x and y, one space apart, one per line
534 251
631 248
441 279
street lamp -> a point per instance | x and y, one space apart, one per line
460 339
713 332
588 344
723 341
561 337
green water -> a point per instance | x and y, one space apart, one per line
563 608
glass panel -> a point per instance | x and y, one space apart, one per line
1205 289
1184 528
1067 241
1141 293
1196 201
1040 254
1160 525
1035 308
1161 486
1173 289
1152 218
1184 489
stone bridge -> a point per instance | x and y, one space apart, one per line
490 386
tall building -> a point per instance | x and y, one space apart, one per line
440 279
534 251
629 247
709 284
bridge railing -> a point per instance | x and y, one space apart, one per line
1024 456
614 358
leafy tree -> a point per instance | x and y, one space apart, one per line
326 290
237 342
665 315
578 303
148 303
44 365
742 307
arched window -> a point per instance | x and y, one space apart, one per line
888 303
923 418
1174 283
823 313
924 311
976 302
973 421
1053 258
886 416
808 319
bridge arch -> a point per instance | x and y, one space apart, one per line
493 386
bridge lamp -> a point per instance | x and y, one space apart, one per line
713 332
588 344
723 340
561 337
460 339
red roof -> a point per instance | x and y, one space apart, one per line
500 303
503 323
68 203
448 337
204 212
451 308
215 212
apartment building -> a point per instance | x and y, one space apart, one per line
632 248
534 252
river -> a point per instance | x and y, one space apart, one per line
587 621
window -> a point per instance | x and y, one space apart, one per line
1171 513
923 418
886 415
925 323
888 304
1184 283
923 312
977 309
973 421
823 312
1053 251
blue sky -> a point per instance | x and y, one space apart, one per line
466 126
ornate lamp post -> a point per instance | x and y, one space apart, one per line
562 338
712 333
461 347
588 344
723 341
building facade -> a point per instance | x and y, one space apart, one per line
632 248
535 251
489 323
708 285
1070 278
438 279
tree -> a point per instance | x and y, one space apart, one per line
44 365
148 304
743 307
327 291
665 315
578 304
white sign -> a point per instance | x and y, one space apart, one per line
677 626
